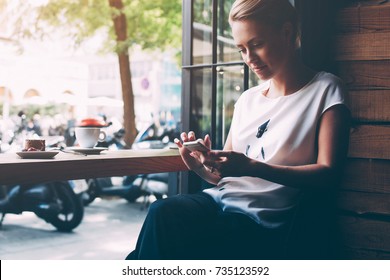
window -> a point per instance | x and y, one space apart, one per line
214 74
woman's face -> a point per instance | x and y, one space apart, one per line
265 50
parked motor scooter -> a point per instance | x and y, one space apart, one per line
131 188
56 203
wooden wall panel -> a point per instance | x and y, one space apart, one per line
364 18
368 204
370 141
370 106
362 55
361 58
360 233
362 46
367 175
365 75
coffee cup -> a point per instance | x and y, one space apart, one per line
87 137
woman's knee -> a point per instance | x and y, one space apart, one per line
186 206
164 207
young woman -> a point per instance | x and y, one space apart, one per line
288 135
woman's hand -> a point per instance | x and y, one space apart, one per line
193 160
228 163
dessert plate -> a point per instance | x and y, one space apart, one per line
88 151
37 154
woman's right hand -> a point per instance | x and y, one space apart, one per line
191 159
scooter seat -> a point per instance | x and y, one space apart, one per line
160 177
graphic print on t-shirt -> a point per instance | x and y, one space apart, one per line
262 128
260 131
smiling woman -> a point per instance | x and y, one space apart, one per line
288 138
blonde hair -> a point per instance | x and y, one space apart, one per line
273 13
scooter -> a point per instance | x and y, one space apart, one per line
56 203
131 188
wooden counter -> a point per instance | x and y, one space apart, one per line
15 170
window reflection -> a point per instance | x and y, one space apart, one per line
200 118
230 85
226 49
202 32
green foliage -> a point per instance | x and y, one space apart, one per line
31 109
151 24
203 11
79 19
158 23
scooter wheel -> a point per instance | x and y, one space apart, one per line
91 193
72 209
133 193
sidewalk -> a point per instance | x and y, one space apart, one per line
108 232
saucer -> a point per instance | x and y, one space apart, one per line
88 151
37 154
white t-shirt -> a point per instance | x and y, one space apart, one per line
278 131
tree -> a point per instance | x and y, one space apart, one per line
120 27
150 24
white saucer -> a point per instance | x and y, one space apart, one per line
37 154
88 151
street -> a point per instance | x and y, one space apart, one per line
108 232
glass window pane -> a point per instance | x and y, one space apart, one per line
202 32
230 85
200 118
226 49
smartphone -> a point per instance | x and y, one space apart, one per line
197 145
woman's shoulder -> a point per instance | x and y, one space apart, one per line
331 89
329 78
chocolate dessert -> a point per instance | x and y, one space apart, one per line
34 145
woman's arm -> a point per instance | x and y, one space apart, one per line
333 138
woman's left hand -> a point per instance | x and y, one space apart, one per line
228 163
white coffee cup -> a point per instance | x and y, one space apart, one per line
87 137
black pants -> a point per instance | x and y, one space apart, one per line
193 226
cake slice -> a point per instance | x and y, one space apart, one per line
34 145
